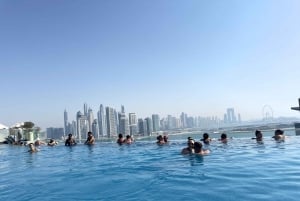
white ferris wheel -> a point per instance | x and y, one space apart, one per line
267 113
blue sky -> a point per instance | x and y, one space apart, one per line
158 56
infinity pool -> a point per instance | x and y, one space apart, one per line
241 170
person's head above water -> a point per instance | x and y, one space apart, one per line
258 134
278 132
205 136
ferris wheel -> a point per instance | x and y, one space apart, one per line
267 112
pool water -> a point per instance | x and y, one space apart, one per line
240 170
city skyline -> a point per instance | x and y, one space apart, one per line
112 121
154 57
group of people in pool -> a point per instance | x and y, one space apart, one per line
193 147
162 139
127 140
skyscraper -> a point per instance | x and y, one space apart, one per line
183 118
132 124
111 122
55 133
149 126
90 118
155 119
102 121
231 118
95 128
82 126
123 124
141 126
66 123
85 109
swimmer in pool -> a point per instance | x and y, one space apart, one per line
206 139
120 139
52 143
279 135
258 136
90 139
223 138
32 148
160 140
190 148
199 150
128 139
70 141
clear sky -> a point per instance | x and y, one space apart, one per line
155 56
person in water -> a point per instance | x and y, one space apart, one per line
279 135
70 141
52 143
120 139
223 138
165 138
90 139
32 148
38 143
128 139
198 149
190 148
160 140
258 136
205 139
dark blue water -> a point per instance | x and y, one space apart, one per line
240 170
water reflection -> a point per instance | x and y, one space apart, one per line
195 159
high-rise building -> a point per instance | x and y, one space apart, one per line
111 122
123 124
132 124
82 126
149 126
90 118
74 128
231 118
95 129
225 119
102 121
170 122
85 109
141 127
155 119
55 133
122 109
67 131
239 118
183 118
117 121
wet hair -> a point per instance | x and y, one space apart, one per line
120 135
278 132
257 132
70 135
128 137
198 147
90 133
159 137
205 136
223 136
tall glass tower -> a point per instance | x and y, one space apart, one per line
111 122
102 121
66 123
155 119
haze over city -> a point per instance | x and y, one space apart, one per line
153 57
